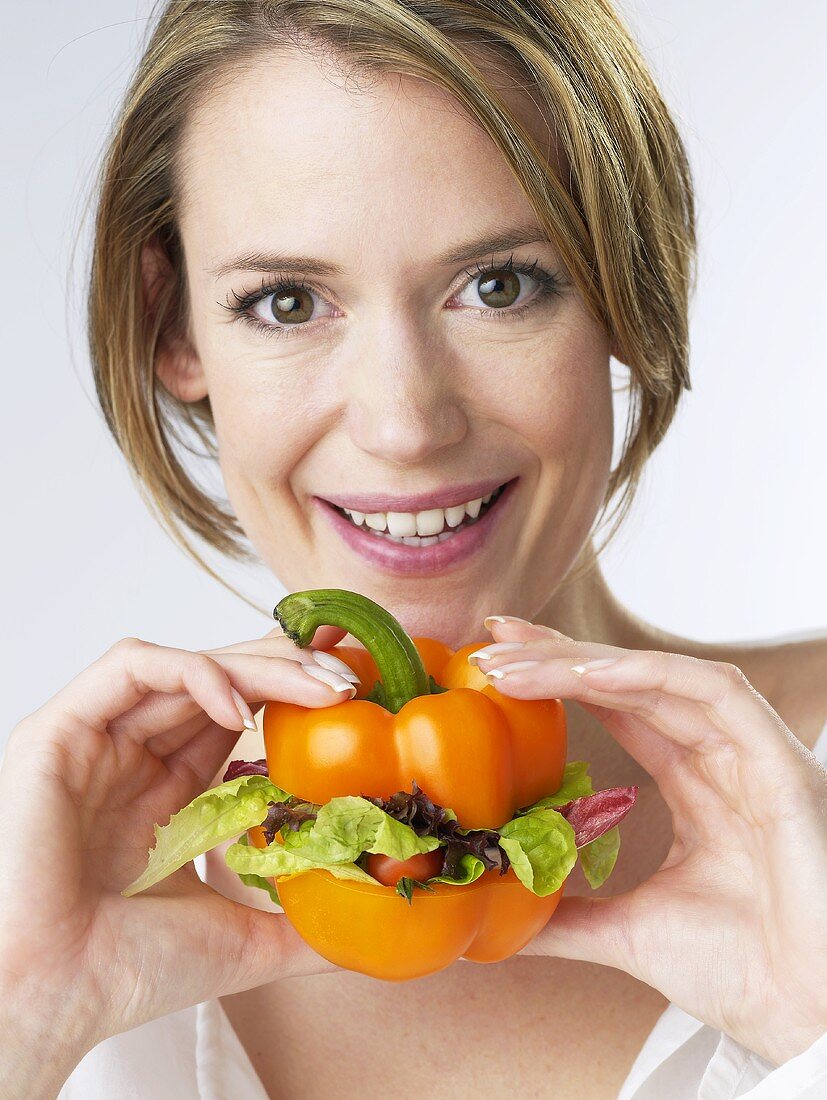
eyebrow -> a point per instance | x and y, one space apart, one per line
497 240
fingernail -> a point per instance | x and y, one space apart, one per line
493 651
277 630
328 660
332 679
592 666
506 670
503 619
243 710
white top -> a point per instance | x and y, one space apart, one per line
196 1055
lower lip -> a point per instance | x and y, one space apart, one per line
396 557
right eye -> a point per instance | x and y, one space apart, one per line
285 305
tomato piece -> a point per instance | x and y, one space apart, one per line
389 871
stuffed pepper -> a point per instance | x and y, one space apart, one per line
428 818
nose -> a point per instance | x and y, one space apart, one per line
404 400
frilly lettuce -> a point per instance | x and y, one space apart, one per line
539 842
218 814
349 825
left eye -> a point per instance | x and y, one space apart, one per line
497 288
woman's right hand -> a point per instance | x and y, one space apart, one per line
127 743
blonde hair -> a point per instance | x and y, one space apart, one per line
623 221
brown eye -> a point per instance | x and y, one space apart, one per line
499 288
288 306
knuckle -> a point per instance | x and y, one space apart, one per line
126 646
20 733
203 665
732 674
655 668
730 678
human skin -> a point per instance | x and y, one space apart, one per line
396 391
392 388
396 387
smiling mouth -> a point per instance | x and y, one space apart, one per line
426 528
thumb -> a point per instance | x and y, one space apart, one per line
588 930
272 949
202 945
328 636
325 637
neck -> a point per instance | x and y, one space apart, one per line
584 608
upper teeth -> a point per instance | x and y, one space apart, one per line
430 522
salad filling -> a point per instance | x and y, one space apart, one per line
541 843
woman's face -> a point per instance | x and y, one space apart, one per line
401 368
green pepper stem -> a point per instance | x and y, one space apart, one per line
400 667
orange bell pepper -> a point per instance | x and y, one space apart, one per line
424 714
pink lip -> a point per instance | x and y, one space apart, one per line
396 557
448 497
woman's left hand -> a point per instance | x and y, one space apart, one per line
733 925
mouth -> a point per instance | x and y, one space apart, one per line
426 541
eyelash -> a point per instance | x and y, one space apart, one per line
550 285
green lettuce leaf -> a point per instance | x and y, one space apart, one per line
276 859
218 814
471 868
257 880
576 784
540 845
349 825
598 857
262 884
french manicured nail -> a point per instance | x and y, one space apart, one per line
503 619
593 666
506 670
328 660
493 651
332 679
244 711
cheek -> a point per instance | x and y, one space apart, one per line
265 421
557 397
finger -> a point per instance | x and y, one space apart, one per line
261 678
201 762
522 643
159 715
230 947
277 643
519 630
700 704
256 680
130 670
588 930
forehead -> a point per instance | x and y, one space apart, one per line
288 147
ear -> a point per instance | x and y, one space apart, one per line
176 361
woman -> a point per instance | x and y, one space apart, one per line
377 258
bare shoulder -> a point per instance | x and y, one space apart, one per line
792 677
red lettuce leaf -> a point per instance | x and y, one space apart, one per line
292 813
594 814
245 767
428 819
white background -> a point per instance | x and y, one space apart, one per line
728 537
